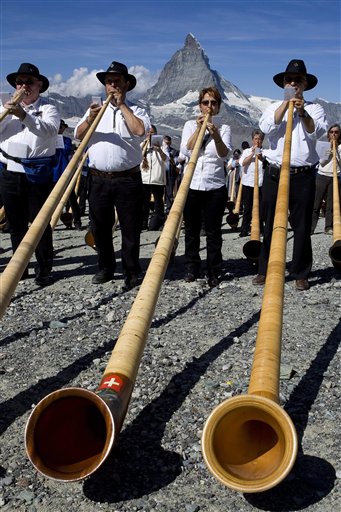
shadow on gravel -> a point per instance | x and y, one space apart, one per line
15 407
312 478
139 465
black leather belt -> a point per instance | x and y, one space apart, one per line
110 175
293 170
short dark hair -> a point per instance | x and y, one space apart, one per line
257 132
212 91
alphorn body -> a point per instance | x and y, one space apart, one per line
233 217
20 259
251 249
72 431
249 442
16 99
335 250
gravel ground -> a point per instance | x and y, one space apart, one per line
199 352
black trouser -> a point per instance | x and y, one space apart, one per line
73 203
247 193
126 194
208 205
83 193
170 190
324 190
301 202
158 192
23 200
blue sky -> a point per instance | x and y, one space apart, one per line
247 42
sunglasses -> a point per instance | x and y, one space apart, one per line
25 82
209 102
334 131
297 79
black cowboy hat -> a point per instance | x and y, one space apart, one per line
117 67
28 69
296 66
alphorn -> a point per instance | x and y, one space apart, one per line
231 203
249 442
335 250
233 217
20 259
58 211
71 432
17 97
251 248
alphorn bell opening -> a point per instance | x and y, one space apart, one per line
249 442
71 431
68 450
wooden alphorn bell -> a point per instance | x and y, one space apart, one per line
231 203
17 97
249 442
72 431
335 250
251 248
58 211
233 217
20 259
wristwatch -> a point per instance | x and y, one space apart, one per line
305 114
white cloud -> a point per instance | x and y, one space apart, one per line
84 82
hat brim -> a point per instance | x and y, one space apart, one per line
311 80
11 78
131 79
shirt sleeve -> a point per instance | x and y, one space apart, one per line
187 132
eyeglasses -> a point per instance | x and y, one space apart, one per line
297 79
209 102
25 82
334 131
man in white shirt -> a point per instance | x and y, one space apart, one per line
115 177
309 124
28 145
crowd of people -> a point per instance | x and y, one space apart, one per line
132 174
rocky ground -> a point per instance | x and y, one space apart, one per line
199 352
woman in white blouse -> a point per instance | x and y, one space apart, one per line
207 195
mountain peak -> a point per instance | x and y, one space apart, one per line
191 41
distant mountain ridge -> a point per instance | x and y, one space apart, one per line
173 99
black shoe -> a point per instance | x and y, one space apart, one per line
213 281
190 277
43 279
130 282
78 225
259 280
25 274
242 234
103 276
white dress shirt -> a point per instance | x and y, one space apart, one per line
112 146
303 146
38 131
248 176
209 172
326 166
